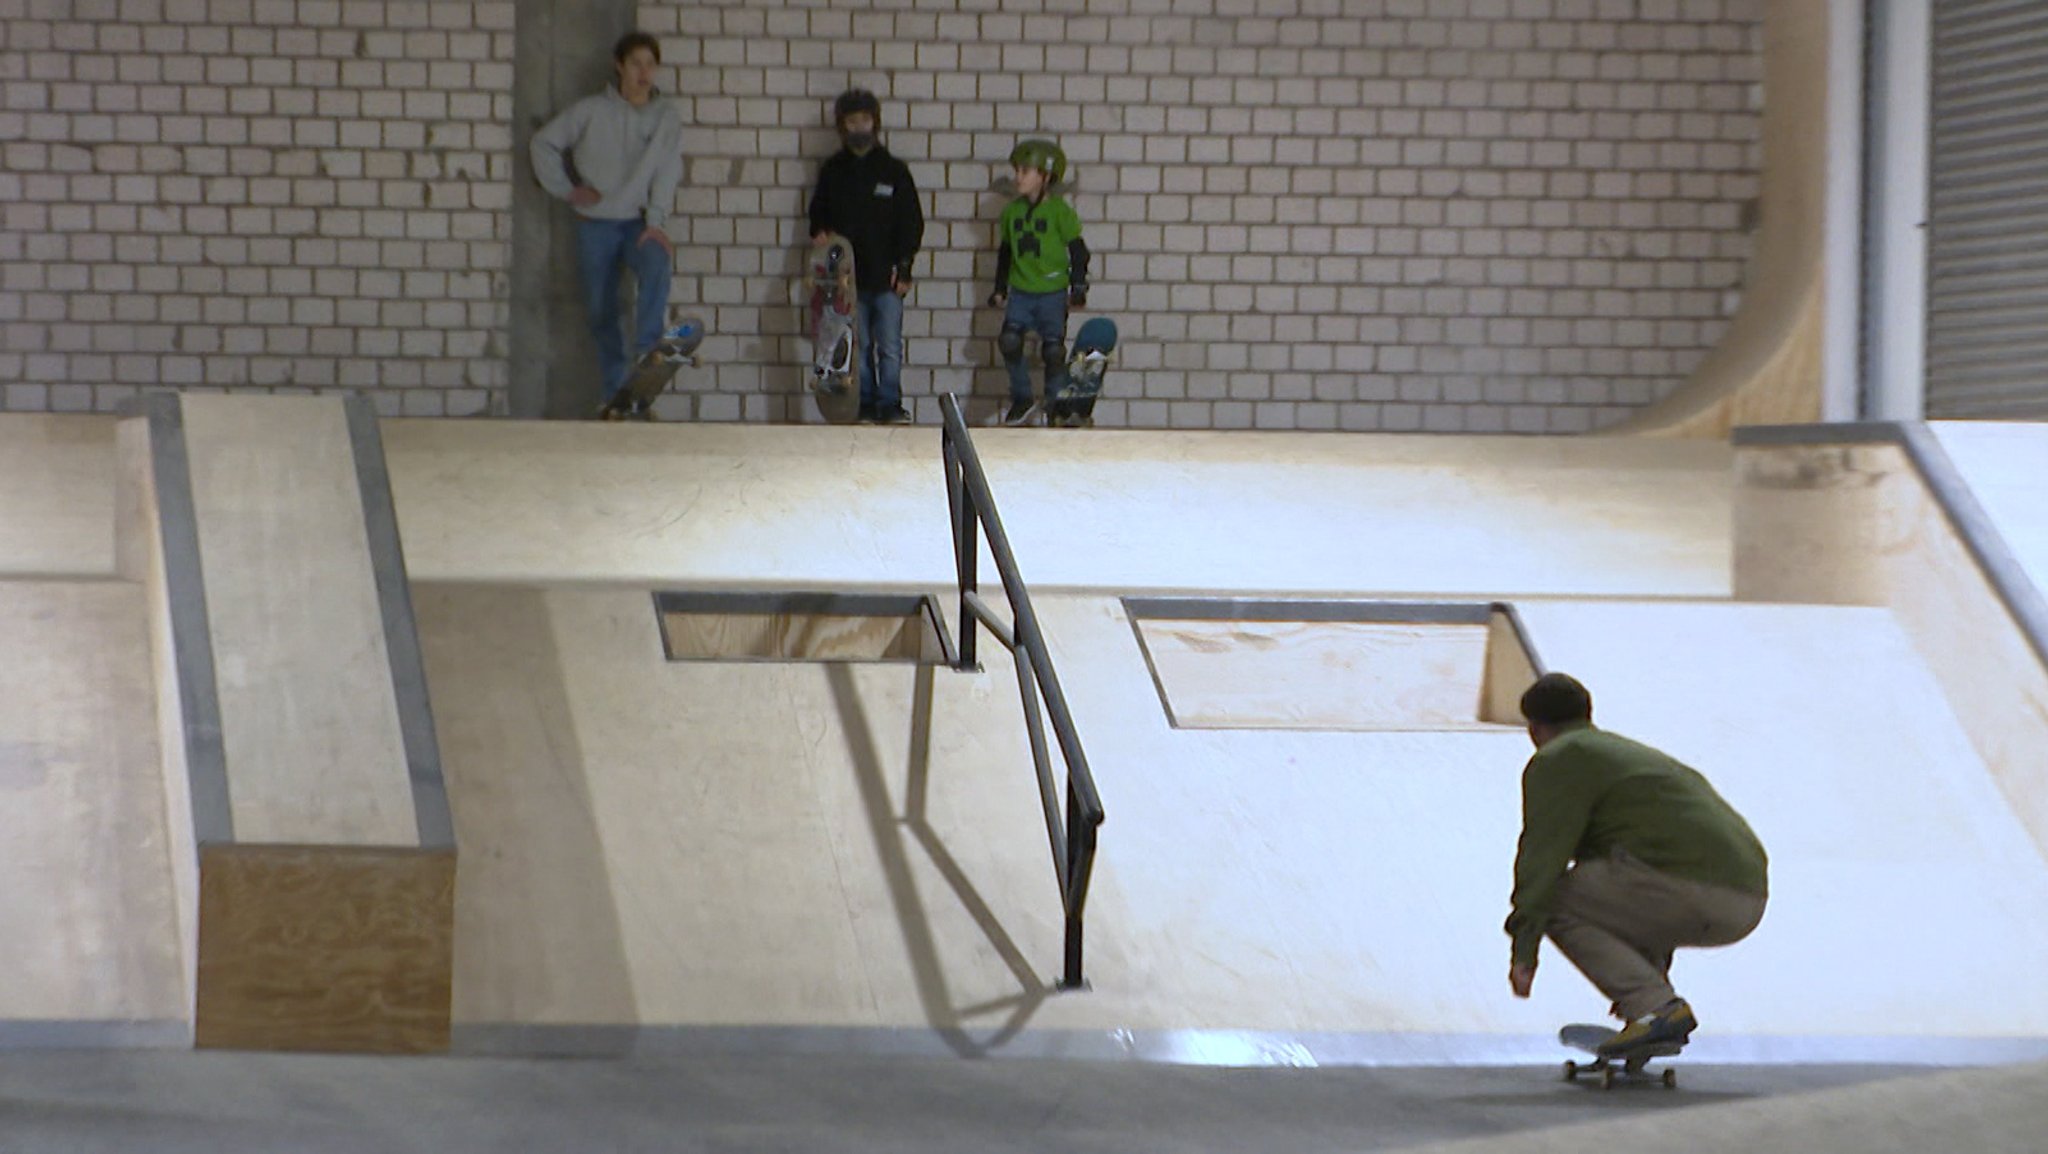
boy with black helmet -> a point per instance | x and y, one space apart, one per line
867 196
1041 269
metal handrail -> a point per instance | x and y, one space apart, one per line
973 510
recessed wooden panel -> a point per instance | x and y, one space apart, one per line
325 948
1317 674
794 637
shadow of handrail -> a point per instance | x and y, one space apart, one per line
1072 833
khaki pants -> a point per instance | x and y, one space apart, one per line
1618 921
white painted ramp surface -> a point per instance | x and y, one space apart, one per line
695 845
709 505
88 934
2006 465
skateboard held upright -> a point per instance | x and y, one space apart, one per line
1094 347
1627 1065
835 339
651 374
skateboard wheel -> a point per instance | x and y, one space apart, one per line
1670 1079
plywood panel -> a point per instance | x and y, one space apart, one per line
308 715
1317 675
793 637
88 922
1509 672
57 505
325 948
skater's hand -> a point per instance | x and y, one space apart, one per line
998 299
583 196
900 281
1521 979
661 238
1077 297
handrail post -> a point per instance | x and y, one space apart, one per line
1078 862
973 512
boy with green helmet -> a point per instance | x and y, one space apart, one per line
1041 270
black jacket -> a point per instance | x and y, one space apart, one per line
871 201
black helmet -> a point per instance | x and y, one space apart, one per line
855 100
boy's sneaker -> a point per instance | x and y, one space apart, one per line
894 415
867 415
1672 1025
1020 413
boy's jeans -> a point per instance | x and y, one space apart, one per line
602 248
1046 315
881 351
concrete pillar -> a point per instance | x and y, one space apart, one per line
563 53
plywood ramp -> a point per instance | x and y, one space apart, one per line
311 858
702 852
711 506
1880 516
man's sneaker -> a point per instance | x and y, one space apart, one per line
893 416
867 415
1672 1026
1020 413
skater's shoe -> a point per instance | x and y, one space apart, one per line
1671 1026
894 415
1020 413
867 415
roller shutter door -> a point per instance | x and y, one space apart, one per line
1987 242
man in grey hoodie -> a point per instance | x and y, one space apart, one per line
617 157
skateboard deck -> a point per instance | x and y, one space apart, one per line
1627 1066
651 374
1087 364
835 337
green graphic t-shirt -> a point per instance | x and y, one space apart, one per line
1036 236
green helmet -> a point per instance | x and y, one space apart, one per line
1043 155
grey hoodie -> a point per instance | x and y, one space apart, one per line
634 156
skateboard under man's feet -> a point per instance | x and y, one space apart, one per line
1626 1066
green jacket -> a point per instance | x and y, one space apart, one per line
1588 792
1041 250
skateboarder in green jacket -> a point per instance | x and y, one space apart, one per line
1041 269
1626 855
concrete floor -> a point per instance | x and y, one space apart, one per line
81 1101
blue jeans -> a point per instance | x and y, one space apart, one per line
602 248
881 351
1046 315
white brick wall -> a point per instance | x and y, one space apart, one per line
1483 215
1446 215
255 194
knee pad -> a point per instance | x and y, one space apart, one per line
1010 343
1053 353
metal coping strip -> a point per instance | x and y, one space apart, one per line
206 769
436 824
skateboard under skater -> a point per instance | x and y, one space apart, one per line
1627 1066
1094 347
835 340
651 374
